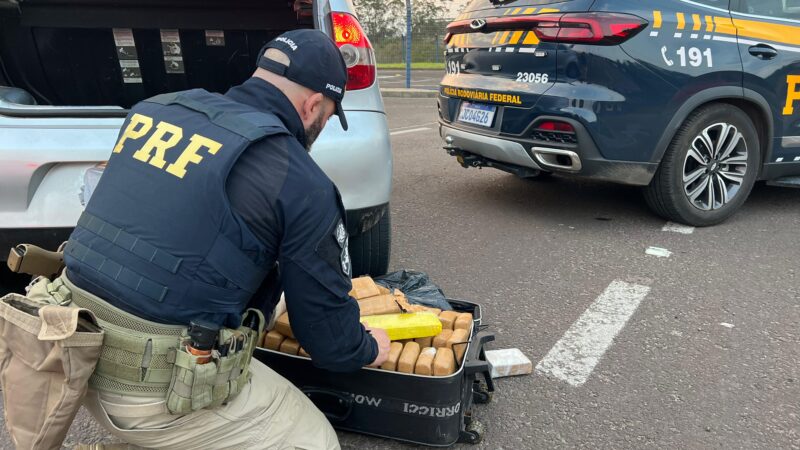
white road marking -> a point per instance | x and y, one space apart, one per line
779 159
726 324
694 35
576 354
412 130
678 228
654 33
658 251
677 35
527 50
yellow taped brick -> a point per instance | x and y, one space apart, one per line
405 326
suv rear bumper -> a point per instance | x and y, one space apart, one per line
522 155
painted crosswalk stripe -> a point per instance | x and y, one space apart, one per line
678 228
578 352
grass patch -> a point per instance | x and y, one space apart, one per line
414 66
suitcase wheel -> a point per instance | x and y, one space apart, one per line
480 393
472 434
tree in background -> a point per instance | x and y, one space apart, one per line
385 23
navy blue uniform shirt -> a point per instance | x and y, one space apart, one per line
295 210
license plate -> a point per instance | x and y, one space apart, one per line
476 113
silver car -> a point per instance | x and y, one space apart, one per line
68 73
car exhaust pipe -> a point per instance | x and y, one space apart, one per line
557 159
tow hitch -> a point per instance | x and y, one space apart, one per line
467 160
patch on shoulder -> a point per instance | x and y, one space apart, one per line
340 234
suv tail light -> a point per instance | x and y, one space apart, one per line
599 28
590 28
555 131
356 50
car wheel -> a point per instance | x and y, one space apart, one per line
370 250
709 168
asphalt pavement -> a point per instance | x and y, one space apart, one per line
699 349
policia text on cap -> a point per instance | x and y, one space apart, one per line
202 195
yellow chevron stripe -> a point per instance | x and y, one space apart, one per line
507 11
785 34
516 11
515 37
709 24
529 11
681 21
547 10
503 37
697 22
656 19
496 35
724 25
530 39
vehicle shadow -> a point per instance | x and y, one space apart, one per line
561 200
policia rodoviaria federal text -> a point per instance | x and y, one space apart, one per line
175 260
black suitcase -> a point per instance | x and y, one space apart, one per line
434 411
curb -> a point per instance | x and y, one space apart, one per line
408 93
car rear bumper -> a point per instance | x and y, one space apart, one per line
521 156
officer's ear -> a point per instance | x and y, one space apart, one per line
312 108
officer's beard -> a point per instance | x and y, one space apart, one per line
313 131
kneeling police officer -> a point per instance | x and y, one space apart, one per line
202 195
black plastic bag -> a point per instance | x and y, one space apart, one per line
417 287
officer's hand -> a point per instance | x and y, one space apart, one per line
380 336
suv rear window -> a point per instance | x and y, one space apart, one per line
478 5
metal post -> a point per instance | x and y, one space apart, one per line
436 55
408 43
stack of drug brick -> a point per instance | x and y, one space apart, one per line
433 350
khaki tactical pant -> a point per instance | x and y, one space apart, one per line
47 353
269 413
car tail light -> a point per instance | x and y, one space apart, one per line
356 51
589 28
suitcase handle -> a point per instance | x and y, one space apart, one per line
476 359
326 399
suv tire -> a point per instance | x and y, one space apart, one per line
693 183
370 250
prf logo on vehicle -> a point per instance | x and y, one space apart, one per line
472 94
792 94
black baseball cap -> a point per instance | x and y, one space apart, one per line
314 62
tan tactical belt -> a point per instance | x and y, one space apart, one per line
148 359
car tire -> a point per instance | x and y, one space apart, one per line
370 251
693 184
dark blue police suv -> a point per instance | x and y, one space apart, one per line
694 100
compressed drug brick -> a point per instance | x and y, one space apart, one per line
463 322
444 363
440 340
424 341
408 357
448 319
290 346
283 327
508 362
394 355
364 287
458 342
273 340
424 364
